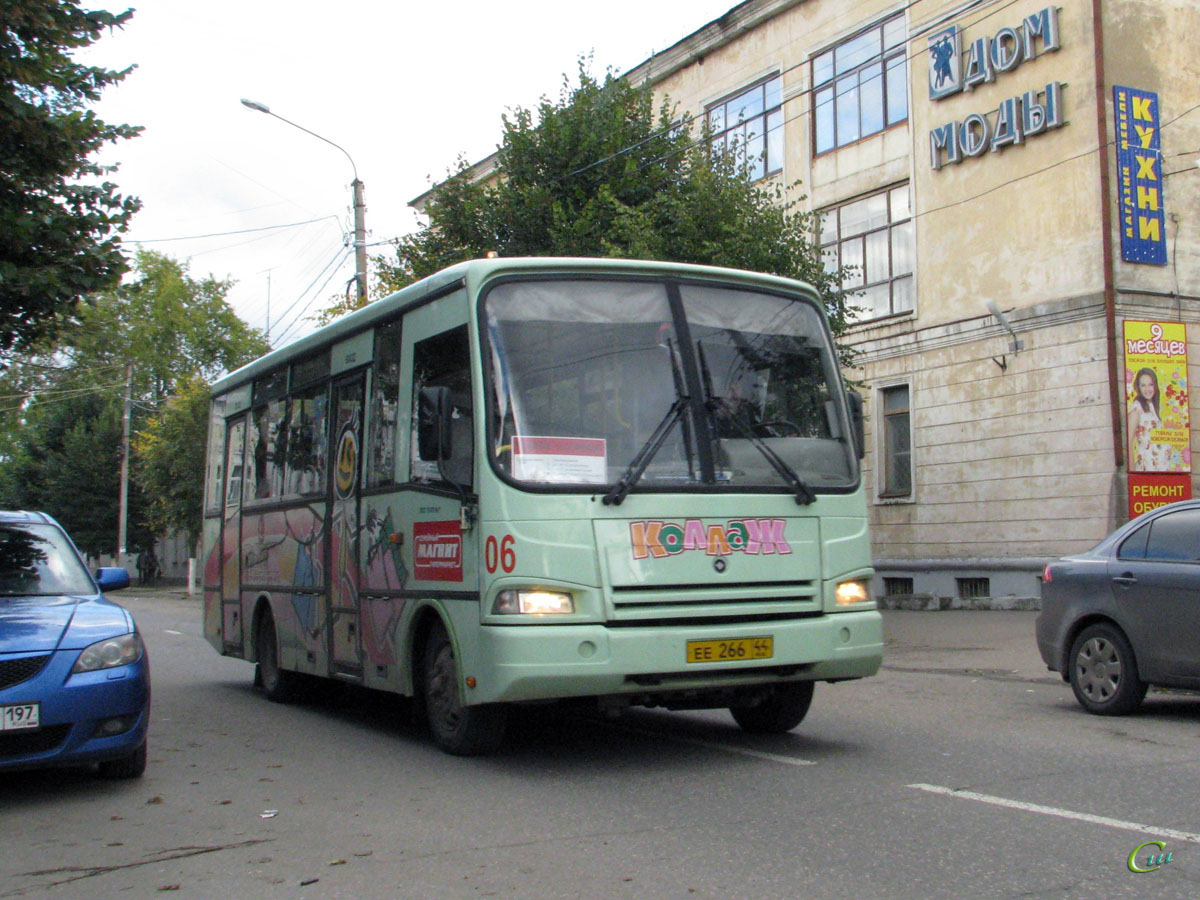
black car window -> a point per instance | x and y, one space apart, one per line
1134 546
1175 536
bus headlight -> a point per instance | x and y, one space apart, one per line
851 592
533 603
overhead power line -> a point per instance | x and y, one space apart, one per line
197 237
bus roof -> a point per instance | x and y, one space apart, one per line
471 274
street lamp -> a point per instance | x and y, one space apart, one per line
360 227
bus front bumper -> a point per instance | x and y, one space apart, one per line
546 662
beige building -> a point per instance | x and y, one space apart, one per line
1013 181
966 154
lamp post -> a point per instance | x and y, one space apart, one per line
360 227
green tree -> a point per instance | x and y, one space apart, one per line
61 406
59 222
169 453
168 324
598 173
68 463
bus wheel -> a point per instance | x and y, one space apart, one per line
279 685
780 709
456 728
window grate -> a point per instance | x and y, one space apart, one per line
970 588
897 587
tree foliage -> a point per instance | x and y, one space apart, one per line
597 173
68 463
59 222
168 324
61 405
169 453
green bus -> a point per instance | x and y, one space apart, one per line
531 480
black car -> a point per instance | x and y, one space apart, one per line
1126 614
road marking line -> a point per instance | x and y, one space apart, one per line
1061 813
714 745
744 751
169 631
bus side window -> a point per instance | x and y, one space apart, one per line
268 449
384 406
444 360
306 444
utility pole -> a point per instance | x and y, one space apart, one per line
123 513
360 241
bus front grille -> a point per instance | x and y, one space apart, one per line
702 602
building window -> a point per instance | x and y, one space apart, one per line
897 587
860 87
897 442
873 237
749 126
971 588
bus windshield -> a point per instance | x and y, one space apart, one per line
591 377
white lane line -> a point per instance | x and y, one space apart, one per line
714 745
169 631
1061 813
744 751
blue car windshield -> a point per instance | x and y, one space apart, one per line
39 560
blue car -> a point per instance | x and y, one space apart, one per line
74 677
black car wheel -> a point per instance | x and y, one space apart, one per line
1104 673
131 766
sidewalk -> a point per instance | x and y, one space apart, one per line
996 644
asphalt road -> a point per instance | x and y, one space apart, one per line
963 770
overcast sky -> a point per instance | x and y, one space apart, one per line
404 87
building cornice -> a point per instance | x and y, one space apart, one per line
713 36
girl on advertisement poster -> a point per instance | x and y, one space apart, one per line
1145 418
1157 443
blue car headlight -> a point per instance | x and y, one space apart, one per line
110 653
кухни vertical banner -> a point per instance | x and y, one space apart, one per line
1139 176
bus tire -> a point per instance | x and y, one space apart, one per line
278 684
780 709
457 728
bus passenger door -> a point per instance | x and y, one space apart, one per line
344 618
231 540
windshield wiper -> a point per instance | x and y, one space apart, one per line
643 457
804 494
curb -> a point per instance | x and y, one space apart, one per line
930 603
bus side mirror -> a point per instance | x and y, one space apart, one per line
433 423
856 422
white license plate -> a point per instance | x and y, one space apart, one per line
20 716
